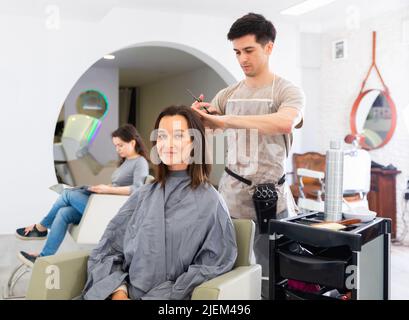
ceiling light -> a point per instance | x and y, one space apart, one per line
109 57
305 6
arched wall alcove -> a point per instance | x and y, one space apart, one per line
38 85
147 58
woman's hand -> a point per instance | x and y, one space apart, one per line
119 295
100 188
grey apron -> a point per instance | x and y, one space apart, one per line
258 158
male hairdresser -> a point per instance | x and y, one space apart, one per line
258 116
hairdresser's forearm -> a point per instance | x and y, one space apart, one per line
271 124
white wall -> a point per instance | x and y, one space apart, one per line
286 62
310 47
341 81
106 81
156 96
39 65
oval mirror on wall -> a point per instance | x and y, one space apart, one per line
92 103
374 117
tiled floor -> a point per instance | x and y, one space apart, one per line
400 273
10 245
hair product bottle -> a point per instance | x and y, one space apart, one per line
334 182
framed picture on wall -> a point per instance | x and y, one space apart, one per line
339 49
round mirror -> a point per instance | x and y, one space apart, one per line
374 117
92 103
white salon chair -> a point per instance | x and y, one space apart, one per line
356 183
73 163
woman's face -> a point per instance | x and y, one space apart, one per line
124 149
174 143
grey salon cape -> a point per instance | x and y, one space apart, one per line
163 242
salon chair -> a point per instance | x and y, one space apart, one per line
88 171
356 183
243 282
74 164
308 185
99 211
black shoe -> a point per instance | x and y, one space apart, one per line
26 258
34 234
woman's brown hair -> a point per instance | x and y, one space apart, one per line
127 133
199 172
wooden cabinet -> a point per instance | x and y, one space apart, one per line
382 197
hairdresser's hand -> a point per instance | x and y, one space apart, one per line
119 295
212 121
100 188
200 106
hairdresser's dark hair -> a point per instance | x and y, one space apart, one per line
199 172
127 133
253 23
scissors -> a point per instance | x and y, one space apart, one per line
198 100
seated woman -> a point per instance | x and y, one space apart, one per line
70 206
173 234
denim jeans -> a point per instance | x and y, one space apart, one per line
68 209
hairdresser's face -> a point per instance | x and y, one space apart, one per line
174 142
251 55
124 149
